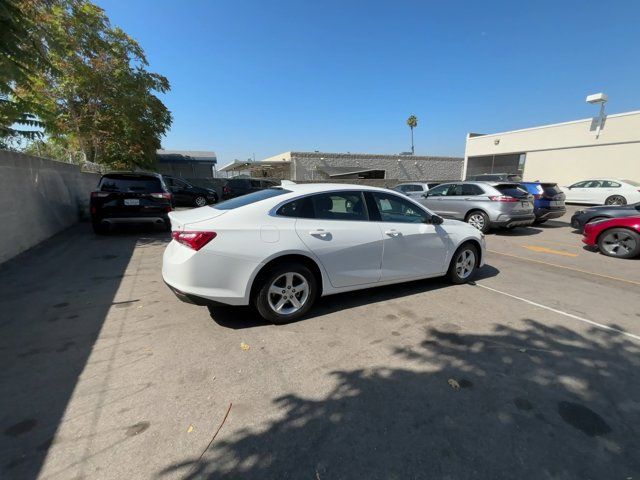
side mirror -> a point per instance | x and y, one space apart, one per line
425 195
436 220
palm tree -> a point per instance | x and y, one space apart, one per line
412 121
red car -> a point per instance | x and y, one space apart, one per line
616 237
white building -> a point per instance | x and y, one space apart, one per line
563 152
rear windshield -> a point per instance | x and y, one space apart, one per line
631 182
511 190
250 198
551 188
116 183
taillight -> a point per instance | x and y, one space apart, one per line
162 195
503 198
99 194
194 240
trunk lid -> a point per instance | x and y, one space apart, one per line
182 219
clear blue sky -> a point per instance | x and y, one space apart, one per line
265 77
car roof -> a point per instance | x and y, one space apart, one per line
328 187
131 174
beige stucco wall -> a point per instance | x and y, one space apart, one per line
568 166
569 152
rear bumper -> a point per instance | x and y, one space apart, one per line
514 221
549 213
157 218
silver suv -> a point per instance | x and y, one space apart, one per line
482 204
415 189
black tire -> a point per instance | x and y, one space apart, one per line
628 242
263 295
478 219
200 201
454 274
99 228
615 200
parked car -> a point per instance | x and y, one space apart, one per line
280 248
595 214
415 189
186 194
616 237
482 204
133 197
236 187
496 177
548 200
603 192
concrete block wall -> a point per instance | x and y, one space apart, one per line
39 198
307 166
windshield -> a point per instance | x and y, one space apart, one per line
250 198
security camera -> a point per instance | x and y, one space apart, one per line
597 98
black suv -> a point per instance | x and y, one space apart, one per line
186 194
130 198
236 187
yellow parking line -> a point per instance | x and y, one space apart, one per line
535 248
566 268
572 245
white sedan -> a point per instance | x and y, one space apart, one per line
280 248
603 191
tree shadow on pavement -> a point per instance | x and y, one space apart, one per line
54 301
534 402
247 317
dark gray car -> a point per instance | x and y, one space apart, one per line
593 214
482 204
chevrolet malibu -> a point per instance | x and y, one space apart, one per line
280 248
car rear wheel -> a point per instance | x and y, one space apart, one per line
286 293
463 264
615 200
478 219
619 243
200 201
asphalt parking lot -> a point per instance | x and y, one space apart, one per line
533 372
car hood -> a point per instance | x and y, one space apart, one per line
181 219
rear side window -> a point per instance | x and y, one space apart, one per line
339 206
609 184
250 198
300 208
468 189
131 184
511 190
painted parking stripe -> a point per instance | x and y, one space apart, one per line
560 312
565 267
536 248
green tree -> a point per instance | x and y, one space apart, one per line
412 121
98 98
23 46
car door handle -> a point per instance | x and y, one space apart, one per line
392 233
468 199
319 232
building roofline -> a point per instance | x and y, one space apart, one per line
471 136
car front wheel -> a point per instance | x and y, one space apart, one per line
619 243
286 293
200 201
463 264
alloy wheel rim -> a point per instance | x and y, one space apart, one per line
465 263
618 243
616 200
201 201
477 221
288 293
